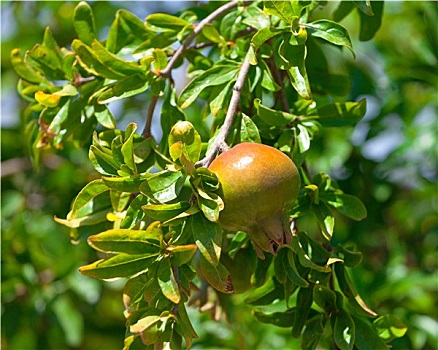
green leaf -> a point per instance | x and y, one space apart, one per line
266 294
303 138
297 71
364 6
122 265
134 213
268 81
366 337
170 115
50 42
181 254
115 63
344 330
148 320
351 258
332 32
164 186
280 271
325 298
104 116
126 29
165 212
255 17
127 148
389 327
119 200
343 9
280 319
261 37
125 87
220 96
90 191
91 62
248 130
346 204
86 220
160 59
46 61
369 25
304 257
184 326
212 34
167 282
304 302
272 116
217 75
103 159
313 332
216 275
134 290
350 292
207 236
342 113
165 21
25 70
124 184
325 219
83 23
127 241
285 10
292 272
262 266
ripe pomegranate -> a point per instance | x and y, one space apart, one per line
258 185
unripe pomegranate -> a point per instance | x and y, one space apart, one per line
258 185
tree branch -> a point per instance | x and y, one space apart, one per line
198 29
219 144
147 128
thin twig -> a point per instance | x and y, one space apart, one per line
279 80
198 29
147 128
219 144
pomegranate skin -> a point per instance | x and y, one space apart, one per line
258 185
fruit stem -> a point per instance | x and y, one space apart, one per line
220 145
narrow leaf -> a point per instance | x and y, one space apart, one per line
167 282
272 116
350 291
332 32
122 265
347 205
342 113
207 236
344 330
365 336
83 23
216 75
165 212
25 70
217 276
90 191
163 186
126 241
285 10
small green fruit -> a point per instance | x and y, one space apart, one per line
258 185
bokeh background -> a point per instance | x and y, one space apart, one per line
389 160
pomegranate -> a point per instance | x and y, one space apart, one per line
258 185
